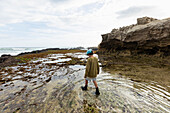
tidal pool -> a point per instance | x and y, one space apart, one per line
56 89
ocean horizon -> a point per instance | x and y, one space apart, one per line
17 50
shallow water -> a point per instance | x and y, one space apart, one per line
44 88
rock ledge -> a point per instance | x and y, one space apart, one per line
149 36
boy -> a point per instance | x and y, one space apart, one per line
92 69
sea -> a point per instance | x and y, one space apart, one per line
16 50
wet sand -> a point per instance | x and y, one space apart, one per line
52 84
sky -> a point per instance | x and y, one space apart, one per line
70 23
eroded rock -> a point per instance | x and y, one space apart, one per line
149 36
145 20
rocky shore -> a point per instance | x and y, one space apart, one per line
149 37
140 51
146 42
51 82
8 60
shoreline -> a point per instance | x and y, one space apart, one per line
13 51
37 50
9 60
129 66
50 82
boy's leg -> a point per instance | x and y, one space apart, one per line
86 82
95 83
97 89
85 87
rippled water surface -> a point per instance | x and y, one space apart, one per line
39 87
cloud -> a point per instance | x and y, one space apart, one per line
90 8
134 11
69 22
59 1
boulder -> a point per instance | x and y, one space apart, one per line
145 20
4 57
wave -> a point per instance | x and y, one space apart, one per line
17 50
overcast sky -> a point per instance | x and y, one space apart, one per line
70 23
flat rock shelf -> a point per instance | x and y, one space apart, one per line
51 85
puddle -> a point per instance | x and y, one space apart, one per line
57 61
56 57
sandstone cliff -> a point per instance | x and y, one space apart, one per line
149 36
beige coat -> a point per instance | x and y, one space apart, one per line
92 67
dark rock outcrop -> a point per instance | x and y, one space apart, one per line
4 57
76 48
39 51
8 61
149 36
93 48
49 49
